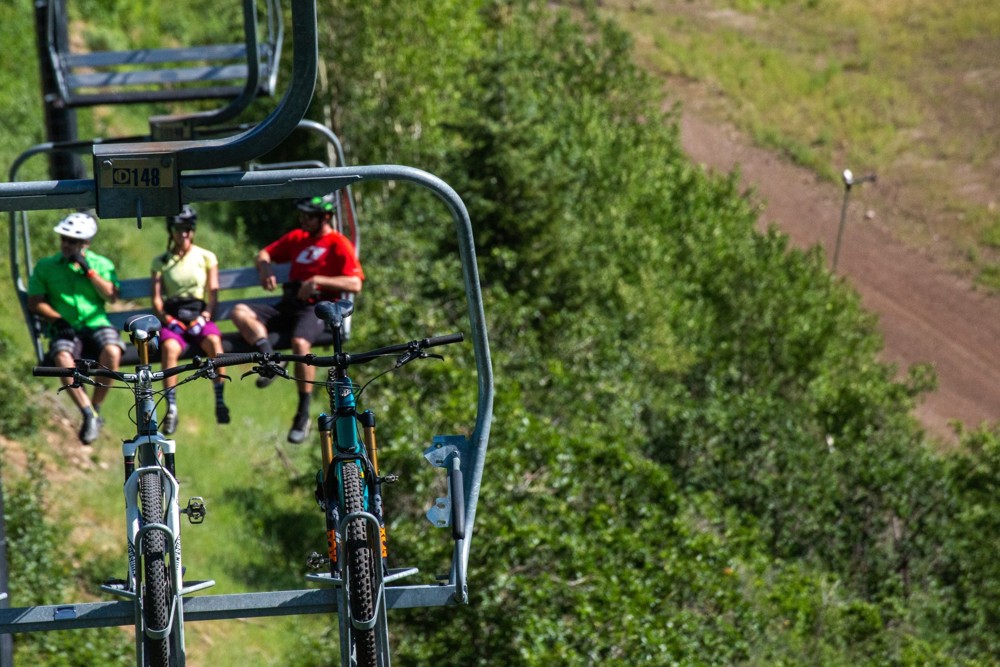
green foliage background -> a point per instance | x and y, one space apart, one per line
697 458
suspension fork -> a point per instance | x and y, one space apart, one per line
328 490
367 419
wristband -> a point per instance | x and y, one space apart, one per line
90 273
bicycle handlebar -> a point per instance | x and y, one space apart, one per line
343 360
88 371
236 359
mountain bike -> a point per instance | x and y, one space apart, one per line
349 485
152 512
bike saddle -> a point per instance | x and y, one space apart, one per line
142 326
333 312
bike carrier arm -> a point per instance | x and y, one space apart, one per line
294 184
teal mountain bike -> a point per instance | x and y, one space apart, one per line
349 486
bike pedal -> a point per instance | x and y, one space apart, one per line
195 510
118 584
389 479
317 561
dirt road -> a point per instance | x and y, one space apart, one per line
926 313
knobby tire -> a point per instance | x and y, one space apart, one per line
156 594
361 568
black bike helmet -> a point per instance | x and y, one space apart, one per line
187 216
317 205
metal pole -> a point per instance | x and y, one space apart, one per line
843 216
849 180
60 121
6 641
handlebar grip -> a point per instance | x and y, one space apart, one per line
236 359
447 339
52 372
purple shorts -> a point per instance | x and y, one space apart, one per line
187 338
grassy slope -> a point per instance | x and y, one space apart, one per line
905 89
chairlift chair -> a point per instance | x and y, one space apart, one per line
22 261
239 71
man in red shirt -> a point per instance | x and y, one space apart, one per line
324 266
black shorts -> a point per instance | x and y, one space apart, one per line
87 343
291 316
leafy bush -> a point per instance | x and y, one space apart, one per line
21 414
696 450
40 574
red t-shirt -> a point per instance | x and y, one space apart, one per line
328 255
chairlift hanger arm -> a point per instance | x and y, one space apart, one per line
262 138
238 104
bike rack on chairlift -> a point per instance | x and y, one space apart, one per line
117 200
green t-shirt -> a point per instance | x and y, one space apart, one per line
185 276
70 292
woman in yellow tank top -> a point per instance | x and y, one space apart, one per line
185 292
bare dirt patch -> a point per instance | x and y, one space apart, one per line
926 312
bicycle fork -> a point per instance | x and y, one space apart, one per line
329 483
149 450
334 432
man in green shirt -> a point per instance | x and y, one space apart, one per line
69 290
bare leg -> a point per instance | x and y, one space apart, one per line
170 354
304 374
212 346
251 328
111 356
79 396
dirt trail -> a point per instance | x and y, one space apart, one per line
926 314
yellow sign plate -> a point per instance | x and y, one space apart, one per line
137 173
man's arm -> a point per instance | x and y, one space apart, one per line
39 306
106 288
350 284
267 279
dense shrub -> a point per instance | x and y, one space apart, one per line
697 457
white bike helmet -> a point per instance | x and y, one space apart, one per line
77 226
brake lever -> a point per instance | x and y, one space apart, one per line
207 369
78 382
268 370
212 374
413 355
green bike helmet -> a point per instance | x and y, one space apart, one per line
316 205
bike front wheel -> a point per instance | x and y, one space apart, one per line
156 585
361 580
